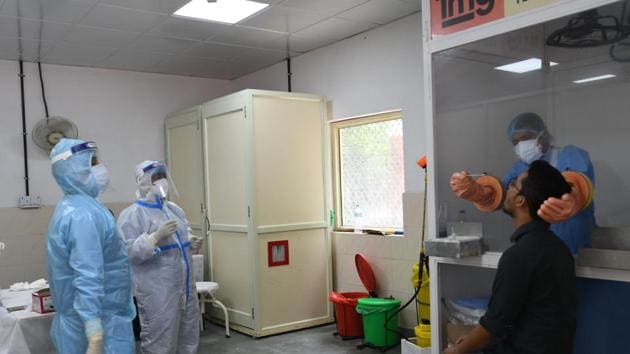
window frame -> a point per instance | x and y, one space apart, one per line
335 128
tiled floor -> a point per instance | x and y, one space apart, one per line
319 340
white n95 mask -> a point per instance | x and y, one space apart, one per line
161 188
528 150
101 174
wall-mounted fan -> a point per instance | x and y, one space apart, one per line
47 132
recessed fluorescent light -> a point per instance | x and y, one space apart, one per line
524 66
226 11
594 78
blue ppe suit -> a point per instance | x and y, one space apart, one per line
88 267
575 232
163 279
603 313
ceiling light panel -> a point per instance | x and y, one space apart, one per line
225 11
595 78
524 66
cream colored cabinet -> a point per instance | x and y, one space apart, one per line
263 185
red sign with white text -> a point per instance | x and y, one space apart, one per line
450 16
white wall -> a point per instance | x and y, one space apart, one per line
122 111
375 71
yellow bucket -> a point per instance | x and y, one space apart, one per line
423 335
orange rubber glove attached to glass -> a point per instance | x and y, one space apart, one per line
485 192
555 210
487 196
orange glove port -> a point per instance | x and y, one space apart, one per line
486 192
555 210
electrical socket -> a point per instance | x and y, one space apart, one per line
29 202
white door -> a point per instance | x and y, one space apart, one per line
184 157
226 147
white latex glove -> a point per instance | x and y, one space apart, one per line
195 242
164 231
95 344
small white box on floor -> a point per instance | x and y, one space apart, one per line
410 347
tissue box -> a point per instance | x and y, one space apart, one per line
42 301
453 246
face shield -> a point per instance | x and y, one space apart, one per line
78 168
86 146
156 177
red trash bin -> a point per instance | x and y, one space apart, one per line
349 323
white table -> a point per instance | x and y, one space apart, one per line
24 331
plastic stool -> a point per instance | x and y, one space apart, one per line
206 290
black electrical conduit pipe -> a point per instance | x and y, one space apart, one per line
41 81
21 75
289 73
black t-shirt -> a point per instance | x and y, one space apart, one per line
533 303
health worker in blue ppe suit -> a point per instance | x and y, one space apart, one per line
90 274
603 312
160 247
532 141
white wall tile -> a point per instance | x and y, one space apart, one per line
345 271
382 271
350 288
408 317
413 207
339 243
401 275
409 248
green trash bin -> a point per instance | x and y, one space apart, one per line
376 312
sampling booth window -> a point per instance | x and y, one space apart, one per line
572 72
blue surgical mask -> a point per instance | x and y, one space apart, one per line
528 150
102 177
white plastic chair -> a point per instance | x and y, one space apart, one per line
206 291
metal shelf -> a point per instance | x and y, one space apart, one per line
491 260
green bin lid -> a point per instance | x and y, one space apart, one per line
378 302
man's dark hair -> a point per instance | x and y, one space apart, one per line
543 181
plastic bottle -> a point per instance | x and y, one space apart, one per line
457 228
461 216
358 219
442 217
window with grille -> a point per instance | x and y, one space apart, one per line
369 176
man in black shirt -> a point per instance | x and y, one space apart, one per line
533 303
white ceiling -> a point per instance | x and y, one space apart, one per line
141 35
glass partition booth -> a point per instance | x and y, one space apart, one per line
573 72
